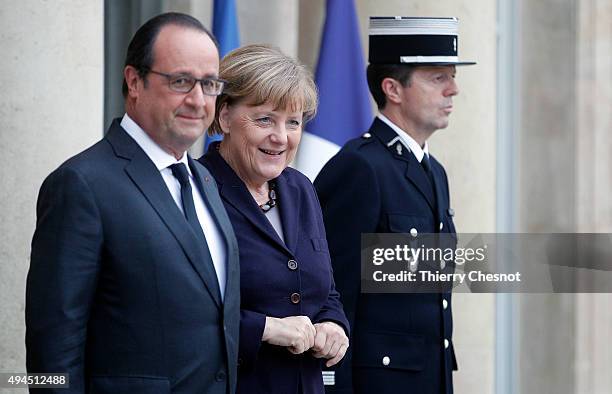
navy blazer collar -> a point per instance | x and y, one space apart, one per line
149 181
234 191
414 171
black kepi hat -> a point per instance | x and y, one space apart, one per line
414 40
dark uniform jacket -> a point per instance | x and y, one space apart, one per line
400 343
278 278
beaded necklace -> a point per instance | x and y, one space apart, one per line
271 203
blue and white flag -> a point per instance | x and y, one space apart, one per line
225 29
344 99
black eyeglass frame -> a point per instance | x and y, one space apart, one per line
171 77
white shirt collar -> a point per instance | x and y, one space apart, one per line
407 140
158 156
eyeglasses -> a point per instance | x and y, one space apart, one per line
183 83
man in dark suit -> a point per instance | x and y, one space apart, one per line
386 182
134 282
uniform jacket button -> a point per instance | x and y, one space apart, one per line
386 361
292 264
220 376
414 232
295 298
444 303
441 226
446 344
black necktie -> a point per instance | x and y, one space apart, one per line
427 167
179 170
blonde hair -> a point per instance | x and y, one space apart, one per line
259 74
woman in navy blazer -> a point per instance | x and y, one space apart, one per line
291 316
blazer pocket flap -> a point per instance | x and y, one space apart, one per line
389 350
129 384
319 244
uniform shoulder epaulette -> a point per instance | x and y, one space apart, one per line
358 142
365 139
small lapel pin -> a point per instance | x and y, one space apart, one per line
398 147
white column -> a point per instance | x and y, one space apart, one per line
50 108
594 186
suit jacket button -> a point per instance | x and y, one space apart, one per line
220 376
444 303
386 361
292 264
414 232
441 226
446 344
295 298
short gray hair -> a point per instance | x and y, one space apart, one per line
259 74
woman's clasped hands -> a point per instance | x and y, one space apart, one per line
297 333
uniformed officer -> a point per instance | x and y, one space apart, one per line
386 181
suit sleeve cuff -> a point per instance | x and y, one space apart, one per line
252 326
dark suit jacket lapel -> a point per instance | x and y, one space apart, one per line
414 171
235 192
147 178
